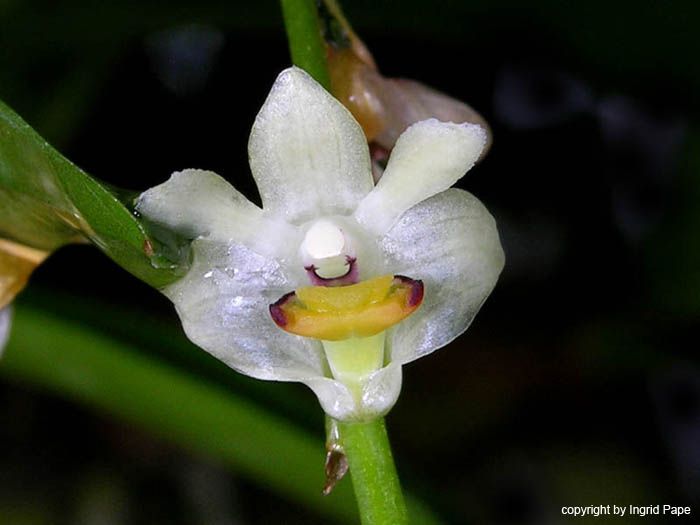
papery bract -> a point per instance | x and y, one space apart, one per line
322 214
384 107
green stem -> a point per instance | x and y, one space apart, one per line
373 473
305 42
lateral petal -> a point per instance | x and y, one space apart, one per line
451 243
429 157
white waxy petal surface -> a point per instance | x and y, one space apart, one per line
336 399
223 303
381 391
429 157
308 155
449 241
379 394
198 203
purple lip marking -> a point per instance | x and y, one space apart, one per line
416 293
350 277
276 309
417 289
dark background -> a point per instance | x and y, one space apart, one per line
579 381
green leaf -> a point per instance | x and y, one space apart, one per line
117 378
47 202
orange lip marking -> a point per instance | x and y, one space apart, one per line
359 310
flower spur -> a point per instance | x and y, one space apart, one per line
324 284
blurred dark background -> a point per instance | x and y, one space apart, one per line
579 381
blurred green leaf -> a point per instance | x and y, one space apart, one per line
47 202
90 368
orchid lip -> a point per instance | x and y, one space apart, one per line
360 310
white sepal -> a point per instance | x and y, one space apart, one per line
335 398
307 153
223 304
381 391
378 395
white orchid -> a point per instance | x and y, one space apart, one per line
304 289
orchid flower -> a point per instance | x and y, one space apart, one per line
334 282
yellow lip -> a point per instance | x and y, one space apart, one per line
359 310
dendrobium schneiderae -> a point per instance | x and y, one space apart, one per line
335 282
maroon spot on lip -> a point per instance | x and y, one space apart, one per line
416 289
349 277
276 309
416 293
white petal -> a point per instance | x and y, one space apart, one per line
308 155
336 399
450 241
5 318
223 303
201 203
408 101
381 391
429 157
378 395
